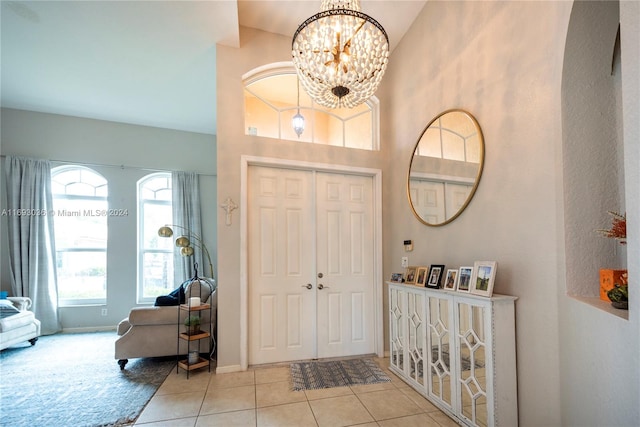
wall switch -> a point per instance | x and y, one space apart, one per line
405 262
104 312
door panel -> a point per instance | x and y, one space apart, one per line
282 262
345 258
302 223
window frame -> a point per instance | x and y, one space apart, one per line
283 68
74 302
141 251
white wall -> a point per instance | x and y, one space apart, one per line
141 150
596 388
503 61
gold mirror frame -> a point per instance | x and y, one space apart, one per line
476 179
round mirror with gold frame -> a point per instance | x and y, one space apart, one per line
445 167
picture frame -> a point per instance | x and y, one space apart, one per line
421 276
450 279
464 279
410 275
484 275
435 276
397 277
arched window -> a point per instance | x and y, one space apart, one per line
155 254
81 206
271 101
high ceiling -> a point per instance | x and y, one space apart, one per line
149 63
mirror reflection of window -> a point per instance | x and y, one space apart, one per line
453 137
445 167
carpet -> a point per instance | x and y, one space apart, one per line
339 373
72 380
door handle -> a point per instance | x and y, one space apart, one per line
308 286
321 286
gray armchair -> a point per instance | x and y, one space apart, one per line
153 331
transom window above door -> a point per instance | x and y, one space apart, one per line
271 100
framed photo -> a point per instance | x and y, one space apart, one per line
410 277
484 274
396 277
421 276
450 279
435 275
464 279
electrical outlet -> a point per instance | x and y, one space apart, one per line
405 262
104 312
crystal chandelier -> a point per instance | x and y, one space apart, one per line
340 54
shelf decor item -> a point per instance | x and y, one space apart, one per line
614 283
484 276
193 324
435 276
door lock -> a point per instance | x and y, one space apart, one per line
320 275
308 286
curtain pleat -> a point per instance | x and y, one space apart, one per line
32 252
186 215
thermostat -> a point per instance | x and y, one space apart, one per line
408 246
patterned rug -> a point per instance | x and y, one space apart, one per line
339 373
72 380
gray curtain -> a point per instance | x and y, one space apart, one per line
186 216
32 252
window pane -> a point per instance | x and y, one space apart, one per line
452 146
154 217
157 270
271 100
358 132
82 275
259 118
80 223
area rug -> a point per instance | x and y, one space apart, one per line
338 373
73 380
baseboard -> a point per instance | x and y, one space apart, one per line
228 369
89 329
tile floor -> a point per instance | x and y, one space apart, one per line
263 397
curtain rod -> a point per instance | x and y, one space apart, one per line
68 162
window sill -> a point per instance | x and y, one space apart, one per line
604 306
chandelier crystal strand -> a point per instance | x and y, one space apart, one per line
340 54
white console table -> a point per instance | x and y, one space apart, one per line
458 350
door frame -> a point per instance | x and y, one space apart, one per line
376 175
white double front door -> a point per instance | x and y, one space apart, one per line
311 251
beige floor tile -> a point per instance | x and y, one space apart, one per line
323 393
277 394
387 404
419 400
340 411
420 420
290 415
172 406
182 422
443 419
233 379
368 388
272 375
229 419
229 399
178 382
